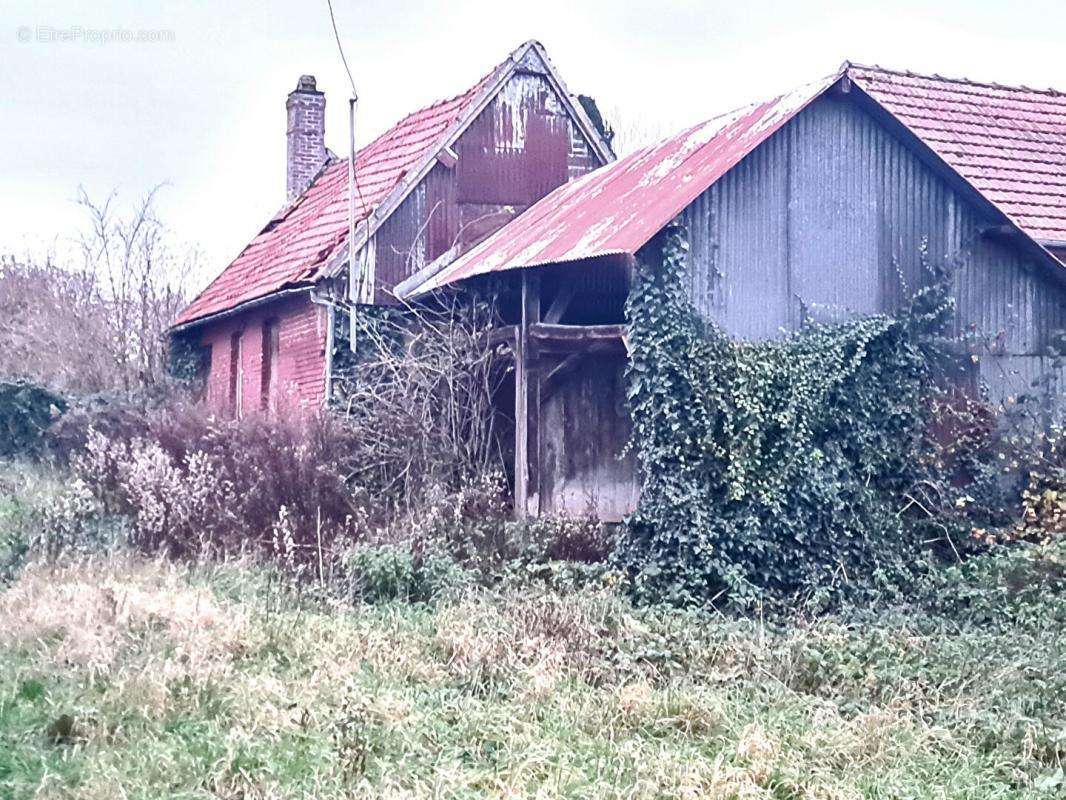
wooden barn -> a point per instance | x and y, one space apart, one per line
433 185
822 203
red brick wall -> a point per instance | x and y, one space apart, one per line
301 359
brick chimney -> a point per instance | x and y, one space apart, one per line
306 133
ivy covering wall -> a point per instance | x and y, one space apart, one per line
773 470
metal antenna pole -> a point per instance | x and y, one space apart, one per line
355 284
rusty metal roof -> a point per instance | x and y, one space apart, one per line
1009 144
304 241
619 208
297 244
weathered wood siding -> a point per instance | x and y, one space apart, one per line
584 431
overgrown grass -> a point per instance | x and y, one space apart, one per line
123 677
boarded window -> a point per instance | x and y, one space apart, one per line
269 375
236 376
200 380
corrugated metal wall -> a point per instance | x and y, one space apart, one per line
828 218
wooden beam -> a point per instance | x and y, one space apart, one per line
544 332
448 157
570 363
506 335
560 303
521 421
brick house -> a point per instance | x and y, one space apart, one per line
428 189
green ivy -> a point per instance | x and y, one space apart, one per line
26 412
772 471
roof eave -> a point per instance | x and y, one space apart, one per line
240 308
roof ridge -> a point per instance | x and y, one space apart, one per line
436 104
1050 91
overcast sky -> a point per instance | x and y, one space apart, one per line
202 108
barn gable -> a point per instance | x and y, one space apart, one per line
834 215
521 144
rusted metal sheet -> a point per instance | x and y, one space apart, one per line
516 150
401 244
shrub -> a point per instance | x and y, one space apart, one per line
191 482
118 419
384 572
46 514
422 382
1044 498
1009 585
26 411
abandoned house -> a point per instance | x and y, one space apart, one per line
429 188
825 202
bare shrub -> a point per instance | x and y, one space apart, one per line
192 483
422 385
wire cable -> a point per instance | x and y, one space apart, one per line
340 48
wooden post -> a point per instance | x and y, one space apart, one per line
521 418
527 401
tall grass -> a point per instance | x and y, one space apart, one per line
127 677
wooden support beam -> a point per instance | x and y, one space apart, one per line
506 335
550 383
521 422
560 303
527 401
577 334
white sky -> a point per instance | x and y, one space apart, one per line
205 111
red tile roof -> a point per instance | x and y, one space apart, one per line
1008 142
297 244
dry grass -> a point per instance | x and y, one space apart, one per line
222 682
91 613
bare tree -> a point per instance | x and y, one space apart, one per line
98 320
633 131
